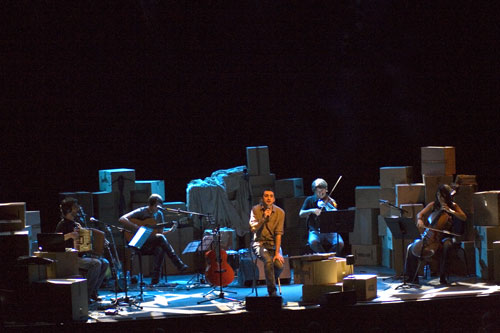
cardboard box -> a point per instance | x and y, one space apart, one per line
411 210
33 217
144 189
438 160
410 194
364 284
367 196
366 255
313 293
289 188
486 208
466 180
106 206
432 183
365 230
260 183
292 207
61 299
390 176
65 265
258 160
388 211
485 236
121 181
12 216
388 194
464 198
315 272
470 256
484 263
382 226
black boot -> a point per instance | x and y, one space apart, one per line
442 279
179 264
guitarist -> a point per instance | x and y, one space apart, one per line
157 243
266 224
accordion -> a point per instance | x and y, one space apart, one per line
91 241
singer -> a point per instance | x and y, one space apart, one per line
158 244
266 223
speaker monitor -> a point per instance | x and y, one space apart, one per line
264 303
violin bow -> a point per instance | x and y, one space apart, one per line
334 186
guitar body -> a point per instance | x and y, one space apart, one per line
150 222
218 274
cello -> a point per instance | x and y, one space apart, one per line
218 272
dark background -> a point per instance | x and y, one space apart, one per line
177 91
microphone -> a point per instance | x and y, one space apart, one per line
92 219
161 208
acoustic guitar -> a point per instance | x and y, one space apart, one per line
148 223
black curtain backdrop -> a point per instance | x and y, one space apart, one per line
177 91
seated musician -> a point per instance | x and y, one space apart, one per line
266 223
94 269
157 244
448 214
311 209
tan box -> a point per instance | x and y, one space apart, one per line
410 194
464 198
388 193
12 216
106 206
366 255
388 211
432 183
62 299
292 207
364 284
466 180
66 263
411 210
289 188
437 160
486 208
258 160
315 272
390 176
365 230
313 293
342 268
367 196
144 189
485 236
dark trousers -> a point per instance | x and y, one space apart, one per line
443 254
272 269
158 246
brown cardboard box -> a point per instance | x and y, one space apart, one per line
432 183
390 176
144 189
367 196
366 255
437 160
258 160
464 198
315 272
486 208
292 207
312 293
66 263
410 194
259 183
289 188
364 284
411 210
111 180
365 230
12 216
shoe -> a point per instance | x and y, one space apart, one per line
183 267
442 279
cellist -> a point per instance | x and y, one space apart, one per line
443 213
266 223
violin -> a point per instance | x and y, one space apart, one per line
327 204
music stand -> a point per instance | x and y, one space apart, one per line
136 243
337 221
403 228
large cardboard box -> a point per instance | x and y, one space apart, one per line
486 208
390 176
61 299
364 284
289 188
315 272
464 198
292 207
484 263
365 230
121 181
106 207
432 183
65 265
410 194
260 183
411 210
485 236
258 160
437 160
12 216
470 256
366 255
144 189
313 293
367 196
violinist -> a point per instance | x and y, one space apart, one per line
437 242
312 207
94 269
266 223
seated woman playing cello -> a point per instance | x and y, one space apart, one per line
437 240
